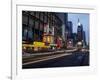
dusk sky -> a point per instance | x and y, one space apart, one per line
84 20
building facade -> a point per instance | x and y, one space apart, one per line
42 27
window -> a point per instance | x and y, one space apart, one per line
27 34
41 26
41 16
37 15
32 13
36 24
45 17
31 22
24 32
30 34
24 19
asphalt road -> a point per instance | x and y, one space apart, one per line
75 59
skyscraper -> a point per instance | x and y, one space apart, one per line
70 27
79 31
84 39
74 39
64 18
66 25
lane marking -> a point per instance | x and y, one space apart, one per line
47 58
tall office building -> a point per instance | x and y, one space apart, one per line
84 39
66 25
69 35
79 31
70 31
74 39
64 18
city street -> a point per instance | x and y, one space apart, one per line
58 60
53 39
